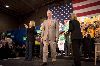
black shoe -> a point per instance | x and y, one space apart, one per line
76 65
44 64
28 59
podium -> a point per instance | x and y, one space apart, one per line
97 51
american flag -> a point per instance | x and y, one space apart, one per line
62 12
86 8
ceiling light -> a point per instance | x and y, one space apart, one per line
7 6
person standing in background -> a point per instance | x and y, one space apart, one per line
30 40
50 34
67 38
76 36
86 44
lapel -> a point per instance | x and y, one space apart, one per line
52 23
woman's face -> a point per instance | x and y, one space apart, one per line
49 15
30 24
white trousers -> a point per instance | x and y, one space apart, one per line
45 50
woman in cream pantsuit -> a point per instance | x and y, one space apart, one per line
50 34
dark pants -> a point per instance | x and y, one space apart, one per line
76 51
92 47
67 47
1 53
86 47
29 50
41 50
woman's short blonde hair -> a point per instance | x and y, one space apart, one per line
32 22
73 16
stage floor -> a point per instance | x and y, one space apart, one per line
36 62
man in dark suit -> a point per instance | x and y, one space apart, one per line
76 36
30 40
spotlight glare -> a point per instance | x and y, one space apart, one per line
7 6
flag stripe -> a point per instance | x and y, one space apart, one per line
93 15
77 1
87 9
88 13
86 6
84 3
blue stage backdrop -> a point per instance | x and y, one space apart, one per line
19 35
